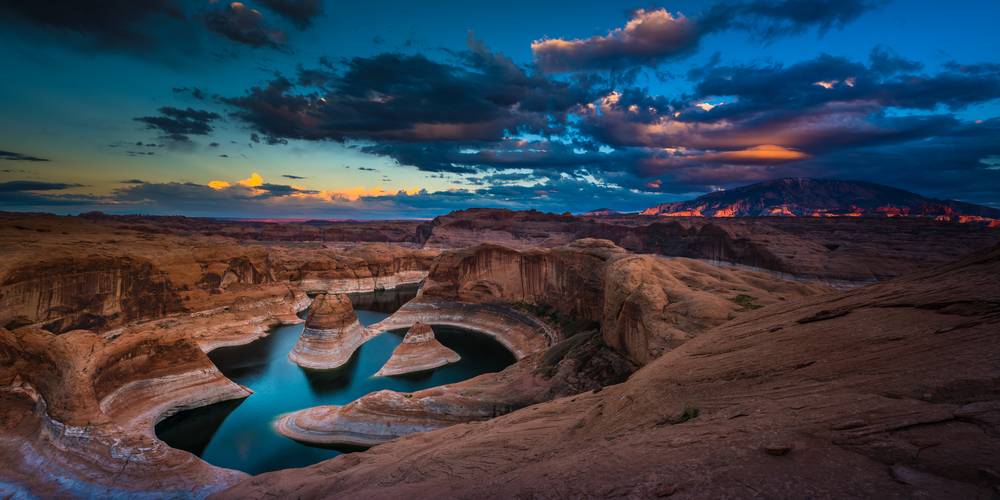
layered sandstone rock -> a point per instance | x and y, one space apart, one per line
885 391
418 352
331 335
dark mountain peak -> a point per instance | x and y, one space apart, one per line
807 197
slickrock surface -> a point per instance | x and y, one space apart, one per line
641 304
888 391
331 335
418 352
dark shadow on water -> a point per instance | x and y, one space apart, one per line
193 429
340 448
330 381
384 301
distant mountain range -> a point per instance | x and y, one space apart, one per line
802 197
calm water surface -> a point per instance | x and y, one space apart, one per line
238 434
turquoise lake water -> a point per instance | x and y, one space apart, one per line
238 434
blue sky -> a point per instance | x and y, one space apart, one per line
306 108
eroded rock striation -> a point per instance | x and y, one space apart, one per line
420 351
331 335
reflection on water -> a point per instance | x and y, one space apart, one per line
238 434
384 301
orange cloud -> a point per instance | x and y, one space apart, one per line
766 153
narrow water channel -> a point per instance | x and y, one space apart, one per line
238 434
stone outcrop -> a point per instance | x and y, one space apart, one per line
420 351
331 335
885 391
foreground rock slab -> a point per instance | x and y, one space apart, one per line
331 335
420 351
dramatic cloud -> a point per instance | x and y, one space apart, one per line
242 24
410 98
177 124
293 177
648 38
651 37
300 12
10 155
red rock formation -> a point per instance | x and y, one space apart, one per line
90 292
331 335
418 352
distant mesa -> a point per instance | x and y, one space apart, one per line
419 352
803 197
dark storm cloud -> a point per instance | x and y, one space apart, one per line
132 181
111 23
771 18
829 79
177 124
483 96
245 25
299 12
21 186
283 190
10 155
654 36
41 194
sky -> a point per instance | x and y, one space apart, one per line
401 109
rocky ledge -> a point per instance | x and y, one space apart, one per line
331 335
420 351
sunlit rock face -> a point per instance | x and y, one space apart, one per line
331 335
89 292
418 352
